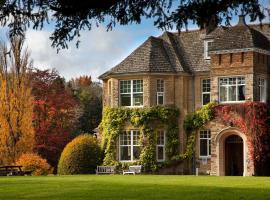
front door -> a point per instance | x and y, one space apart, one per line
234 156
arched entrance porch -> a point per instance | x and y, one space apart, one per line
232 153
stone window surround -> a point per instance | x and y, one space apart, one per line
202 90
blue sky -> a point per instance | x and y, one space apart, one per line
99 50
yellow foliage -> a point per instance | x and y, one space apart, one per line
16 103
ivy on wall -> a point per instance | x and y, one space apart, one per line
148 121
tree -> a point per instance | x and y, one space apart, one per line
54 114
16 132
71 17
89 95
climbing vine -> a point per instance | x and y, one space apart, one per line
253 120
148 120
193 122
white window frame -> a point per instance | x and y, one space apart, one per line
206 49
262 89
219 86
160 92
131 92
208 138
203 93
131 145
161 145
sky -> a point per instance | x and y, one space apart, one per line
99 49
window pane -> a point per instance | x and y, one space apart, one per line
160 153
203 147
136 138
125 153
125 100
125 86
160 138
206 98
137 99
137 86
232 93
206 85
160 98
160 85
223 93
136 152
209 146
241 93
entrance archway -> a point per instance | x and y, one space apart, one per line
234 165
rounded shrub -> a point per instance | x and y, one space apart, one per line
36 164
80 156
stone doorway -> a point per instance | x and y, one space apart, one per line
234 165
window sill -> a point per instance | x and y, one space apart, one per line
230 102
205 157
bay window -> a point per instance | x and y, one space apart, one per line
262 89
129 145
160 151
160 92
131 92
232 89
206 87
205 143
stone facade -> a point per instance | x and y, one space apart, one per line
183 88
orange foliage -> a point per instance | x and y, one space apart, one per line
36 164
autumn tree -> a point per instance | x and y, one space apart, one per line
54 114
72 16
16 108
89 95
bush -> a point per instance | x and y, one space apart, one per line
80 156
33 162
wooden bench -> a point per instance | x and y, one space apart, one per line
105 170
134 169
13 170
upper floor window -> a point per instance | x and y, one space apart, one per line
131 92
206 87
262 89
160 92
205 143
129 145
160 145
207 43
232 89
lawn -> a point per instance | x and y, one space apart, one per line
145 187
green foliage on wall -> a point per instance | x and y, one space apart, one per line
193 122
148 120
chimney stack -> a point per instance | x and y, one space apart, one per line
242 21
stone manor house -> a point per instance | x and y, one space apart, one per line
188 70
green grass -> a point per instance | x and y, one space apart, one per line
131 187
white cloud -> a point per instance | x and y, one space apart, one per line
99 50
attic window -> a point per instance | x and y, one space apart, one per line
207 43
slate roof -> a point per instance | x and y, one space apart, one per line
184 52
240 37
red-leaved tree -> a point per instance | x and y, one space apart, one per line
54 114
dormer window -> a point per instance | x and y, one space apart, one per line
131 93
207 43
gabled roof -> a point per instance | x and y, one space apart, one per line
184 52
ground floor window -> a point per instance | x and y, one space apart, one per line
160 146
205 143
129 145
